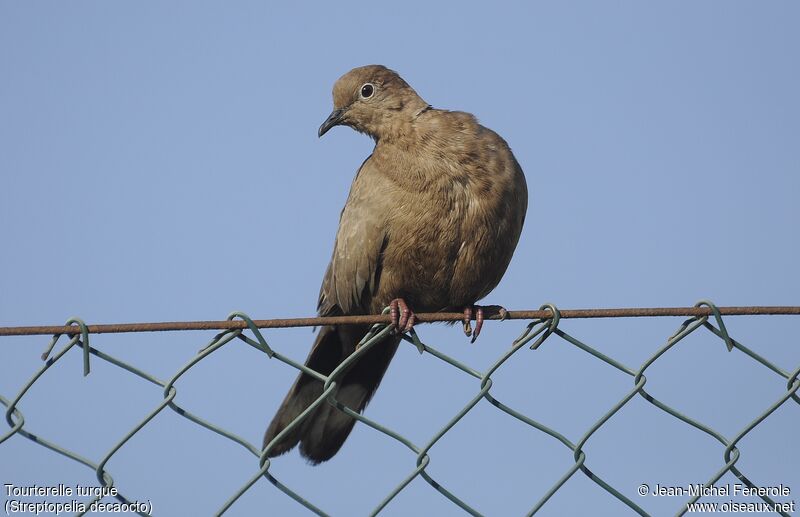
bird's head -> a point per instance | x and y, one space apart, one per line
374 100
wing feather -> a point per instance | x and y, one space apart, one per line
352 274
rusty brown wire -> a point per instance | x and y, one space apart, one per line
117 328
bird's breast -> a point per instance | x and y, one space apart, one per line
439 249
453 215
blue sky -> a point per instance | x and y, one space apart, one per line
159 162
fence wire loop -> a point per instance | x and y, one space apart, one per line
84 343
548 326
261 343
541 328
720 323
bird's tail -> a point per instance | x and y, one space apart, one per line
323 432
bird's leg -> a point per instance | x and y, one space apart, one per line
479 317
402 317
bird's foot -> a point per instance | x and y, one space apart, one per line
402 317
479 311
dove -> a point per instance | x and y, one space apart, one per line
430 224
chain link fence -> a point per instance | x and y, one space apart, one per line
543 330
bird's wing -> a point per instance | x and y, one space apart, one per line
354 269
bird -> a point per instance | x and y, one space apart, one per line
430 224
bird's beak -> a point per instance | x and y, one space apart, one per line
334 119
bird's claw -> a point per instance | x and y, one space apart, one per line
478 322
467 321
479 318
502 311
403 317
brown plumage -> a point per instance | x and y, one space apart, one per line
432 219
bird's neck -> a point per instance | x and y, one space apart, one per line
398 126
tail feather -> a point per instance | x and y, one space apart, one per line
323 432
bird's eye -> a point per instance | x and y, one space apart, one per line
367 90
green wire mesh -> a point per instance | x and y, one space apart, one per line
540 332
